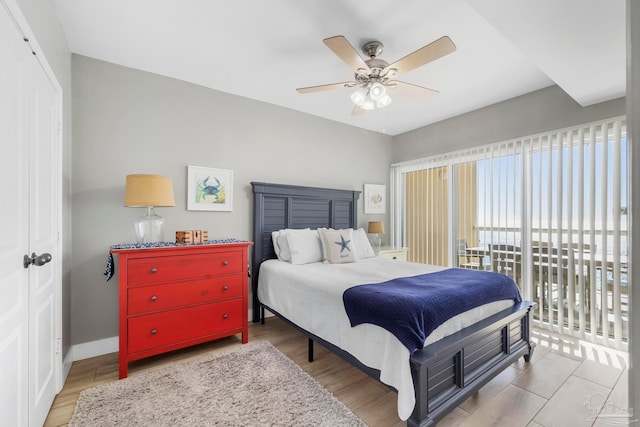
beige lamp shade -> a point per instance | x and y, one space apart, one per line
148 190
376 227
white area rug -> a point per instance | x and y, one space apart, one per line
251 385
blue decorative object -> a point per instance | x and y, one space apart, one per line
344 244
108 273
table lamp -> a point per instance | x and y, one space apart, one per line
149 191
376 228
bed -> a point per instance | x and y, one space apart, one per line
431 381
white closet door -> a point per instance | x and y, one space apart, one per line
14 214
43 239
29 192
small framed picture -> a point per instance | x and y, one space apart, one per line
209 189
374 198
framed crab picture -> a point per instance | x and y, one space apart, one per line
209 189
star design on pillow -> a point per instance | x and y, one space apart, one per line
344 244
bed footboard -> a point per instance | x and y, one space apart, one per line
446 373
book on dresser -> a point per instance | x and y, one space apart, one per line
177 296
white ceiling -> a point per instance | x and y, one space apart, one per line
264 50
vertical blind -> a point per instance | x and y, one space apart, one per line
427 223
550 210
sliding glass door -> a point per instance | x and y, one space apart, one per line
548 210
579 230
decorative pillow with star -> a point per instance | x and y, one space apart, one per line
339 246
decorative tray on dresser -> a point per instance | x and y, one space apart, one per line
176 296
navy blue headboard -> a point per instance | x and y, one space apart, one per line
277 206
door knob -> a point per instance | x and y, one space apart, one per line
37 260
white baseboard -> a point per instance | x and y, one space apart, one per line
66 364
267 313
94 348
65 368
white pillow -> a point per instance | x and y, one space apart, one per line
305 246
276 245
282 251
283 246
362 244
339 246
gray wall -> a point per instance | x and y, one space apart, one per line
43 21
127 121
543 110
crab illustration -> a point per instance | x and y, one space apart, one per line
212 192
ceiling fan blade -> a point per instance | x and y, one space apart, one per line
437 49
357 110
411 90
341 47
321 88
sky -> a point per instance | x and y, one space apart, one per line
499 188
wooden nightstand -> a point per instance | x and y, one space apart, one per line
393 253
176 296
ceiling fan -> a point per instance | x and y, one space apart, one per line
374 76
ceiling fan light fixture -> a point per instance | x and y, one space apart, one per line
384 101
368 105
374 77
377 91
359 97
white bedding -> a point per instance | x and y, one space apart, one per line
311 297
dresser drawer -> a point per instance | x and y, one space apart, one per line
144 299
397 253
148 271
155 330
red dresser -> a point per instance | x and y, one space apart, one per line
176 296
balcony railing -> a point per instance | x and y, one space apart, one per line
580 290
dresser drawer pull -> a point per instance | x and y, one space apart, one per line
154 331
225 288
154 298
154 270
225 263
225 316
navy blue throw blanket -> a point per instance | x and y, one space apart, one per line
412 307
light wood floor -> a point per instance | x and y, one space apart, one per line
566 380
